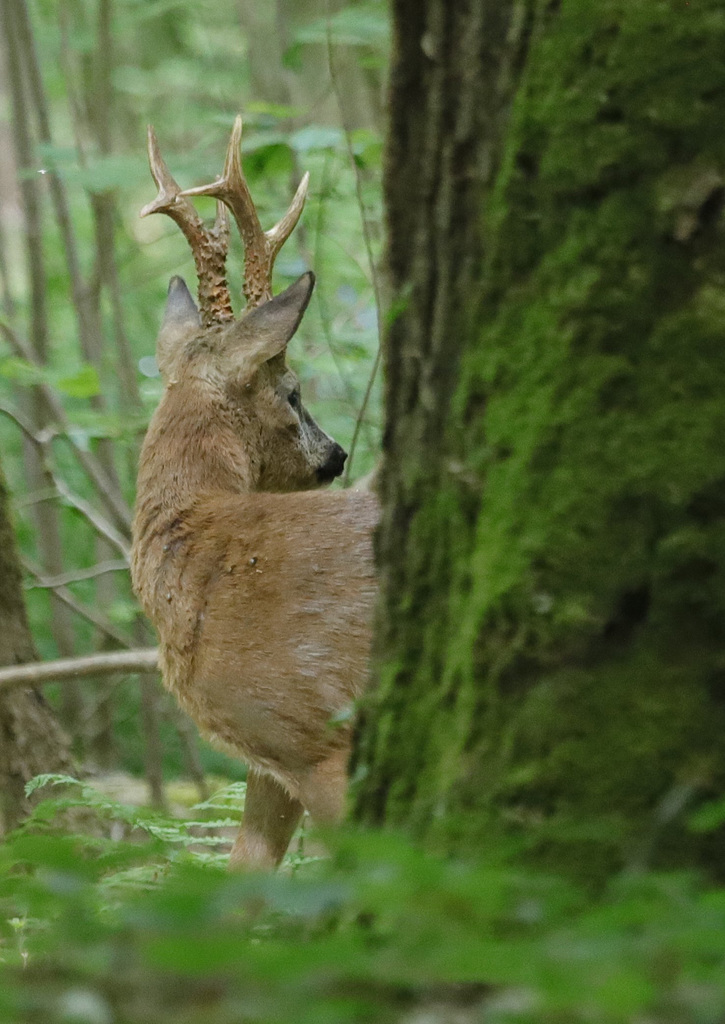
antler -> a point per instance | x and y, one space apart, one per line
208 245
260 247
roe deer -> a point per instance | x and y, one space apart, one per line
262 598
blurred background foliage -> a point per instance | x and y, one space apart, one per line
114 913
83 280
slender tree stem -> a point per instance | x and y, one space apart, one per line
47 521
88 326
12 17
190 749
367 239
363 409
153 749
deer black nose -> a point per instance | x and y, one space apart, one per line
333 465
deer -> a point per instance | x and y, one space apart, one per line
259 582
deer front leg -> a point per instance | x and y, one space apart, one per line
270 817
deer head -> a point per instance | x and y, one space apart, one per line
238 366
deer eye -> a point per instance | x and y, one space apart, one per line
294 399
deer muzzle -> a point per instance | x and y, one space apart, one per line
333 465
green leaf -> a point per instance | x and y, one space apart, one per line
82 384
316 137
50 780
25 373
275 110
122 611
362 25
708 817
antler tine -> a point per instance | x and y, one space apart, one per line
260 247
208 245
279 234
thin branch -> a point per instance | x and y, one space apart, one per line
189 739
24 424
107 490
76 576
349 255
65 669
103 206
367 239
325 317
367 234
97 521
153 746
7 303
361 414
101 525
35 498
96 618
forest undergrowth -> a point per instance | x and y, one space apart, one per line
116 913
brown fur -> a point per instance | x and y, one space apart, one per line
262 599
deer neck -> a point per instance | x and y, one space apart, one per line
195 447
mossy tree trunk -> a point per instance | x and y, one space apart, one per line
551 640
31 740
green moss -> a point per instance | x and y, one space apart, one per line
570 570
598 601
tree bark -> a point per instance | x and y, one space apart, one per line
31 741
549 647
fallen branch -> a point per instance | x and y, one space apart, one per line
111 663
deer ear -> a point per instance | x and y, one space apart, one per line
263 332
181 319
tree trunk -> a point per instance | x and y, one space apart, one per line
550 639
31 740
